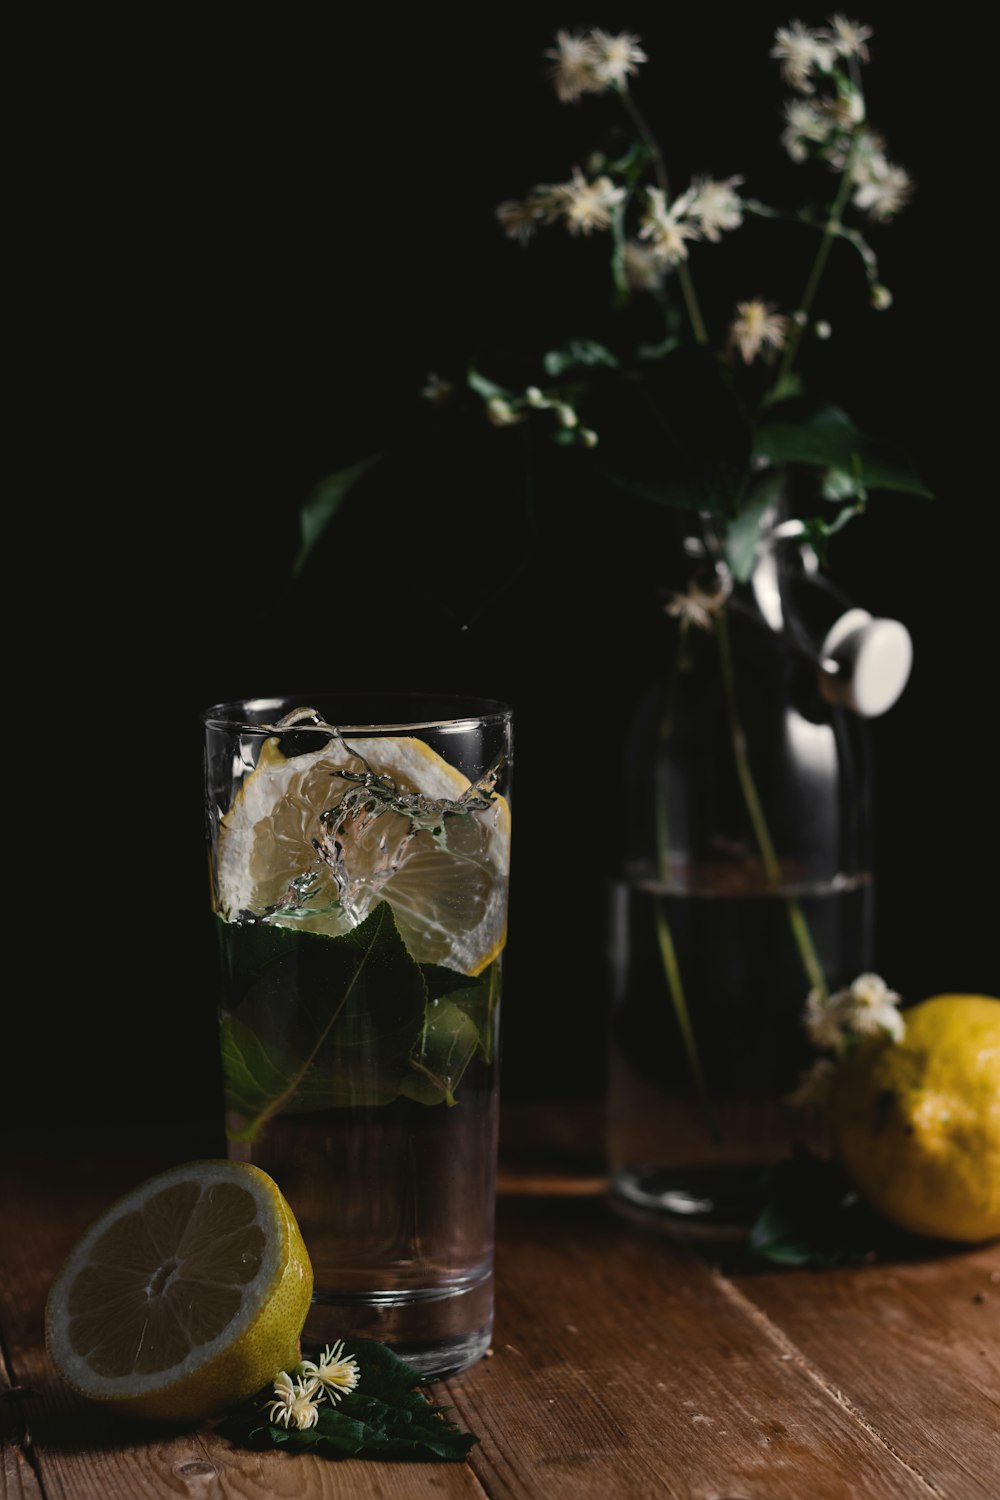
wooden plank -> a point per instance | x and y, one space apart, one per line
18 1478
623 1369
914 1348
82 1454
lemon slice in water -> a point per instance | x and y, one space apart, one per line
314 840
187 1295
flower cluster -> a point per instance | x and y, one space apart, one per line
653 230
590 62
835 1023
829 122
866 1008
296 1401
610 393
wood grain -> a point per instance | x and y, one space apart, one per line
914 1348
624 1366
82 1454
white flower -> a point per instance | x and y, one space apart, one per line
520 218
643 271
881 297
862 151
801 51
822 1021
846 111
616 56
866 1008
665 228
716 206
756 327
699 605
575 59
849 37
804 125
588 437
295 1403
336 1375
587 205
822 329
500 412
884 189
436 390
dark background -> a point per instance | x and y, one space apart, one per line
249 239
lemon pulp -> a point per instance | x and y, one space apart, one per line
187 1295
314 840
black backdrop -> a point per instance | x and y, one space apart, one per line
250 239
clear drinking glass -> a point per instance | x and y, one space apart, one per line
360 851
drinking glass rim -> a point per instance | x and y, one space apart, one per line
469 711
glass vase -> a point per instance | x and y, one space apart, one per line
745 882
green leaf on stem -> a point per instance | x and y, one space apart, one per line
578 353
826 437
323 504
483 386
740 540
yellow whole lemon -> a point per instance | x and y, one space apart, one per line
916 1123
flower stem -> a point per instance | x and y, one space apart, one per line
772 866
660 171
664 937
668 957
831 231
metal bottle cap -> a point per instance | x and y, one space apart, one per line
865 663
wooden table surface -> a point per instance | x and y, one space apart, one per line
624 1366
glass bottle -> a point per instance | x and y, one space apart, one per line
746 878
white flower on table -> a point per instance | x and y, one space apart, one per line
335 1375
295 1403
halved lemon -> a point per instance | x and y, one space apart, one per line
314 840
187 1295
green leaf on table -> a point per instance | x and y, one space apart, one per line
323 504
813 1216
585 353
317 1021
386 1416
